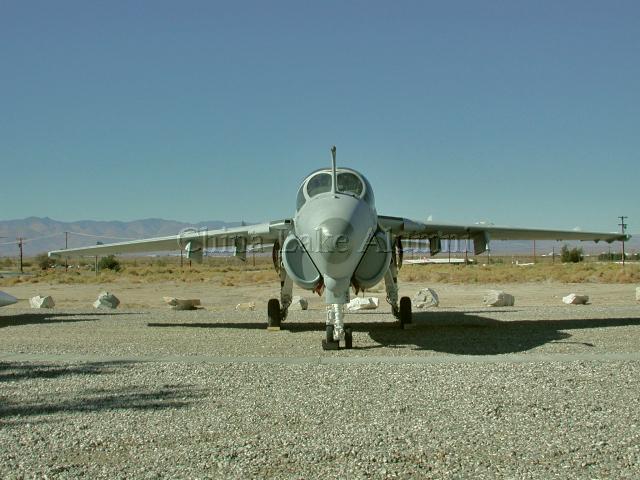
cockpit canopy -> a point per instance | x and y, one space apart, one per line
349 182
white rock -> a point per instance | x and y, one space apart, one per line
181 303
363 303
42 302
637 294
498 298
251 306
6 299
574 299
299 303
425 298
106 300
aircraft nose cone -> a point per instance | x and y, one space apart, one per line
335 240
334 232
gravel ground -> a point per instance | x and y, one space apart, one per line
522 392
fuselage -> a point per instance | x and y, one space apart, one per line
335 226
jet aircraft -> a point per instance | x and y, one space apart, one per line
335 242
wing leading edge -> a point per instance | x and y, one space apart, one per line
193 241
482 234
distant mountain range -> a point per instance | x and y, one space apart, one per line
46 234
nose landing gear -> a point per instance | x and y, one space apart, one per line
335 331
328 343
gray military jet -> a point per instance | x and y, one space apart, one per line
335 242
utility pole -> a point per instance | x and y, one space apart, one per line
66 245
534 251
20 239
623 226
466 252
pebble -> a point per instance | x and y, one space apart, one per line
130 418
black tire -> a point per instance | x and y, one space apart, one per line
273 313
405 311
328 343
329 333
348 338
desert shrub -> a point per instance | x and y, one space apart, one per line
44 262
7 263
571 255
109 263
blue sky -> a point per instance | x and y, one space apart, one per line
520 113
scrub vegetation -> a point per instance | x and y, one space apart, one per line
230 271
592 272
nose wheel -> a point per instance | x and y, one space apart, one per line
330 343
335 331
348 338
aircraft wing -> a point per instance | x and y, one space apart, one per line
193 241
6 299
481 234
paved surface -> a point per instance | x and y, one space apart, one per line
522 392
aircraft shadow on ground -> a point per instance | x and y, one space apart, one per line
461 333
89 400
14 371
52 317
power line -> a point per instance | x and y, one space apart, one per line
101 236
27 240
58 234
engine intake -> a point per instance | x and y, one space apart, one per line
374 262
299 265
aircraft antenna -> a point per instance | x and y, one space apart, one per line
333 170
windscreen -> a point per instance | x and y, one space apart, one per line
349 183
320 183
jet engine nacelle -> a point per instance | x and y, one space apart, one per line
299 265
194 251
374 262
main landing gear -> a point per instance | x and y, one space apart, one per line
275 314
277 309
403 312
